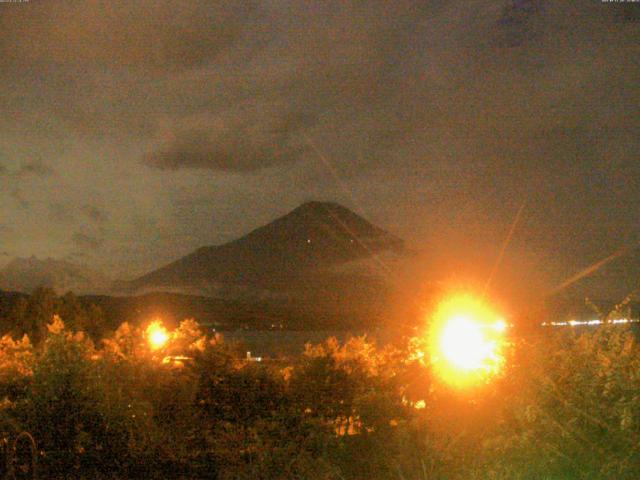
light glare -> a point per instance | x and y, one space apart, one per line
466 340
157 335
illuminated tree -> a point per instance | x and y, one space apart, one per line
70 409
572 411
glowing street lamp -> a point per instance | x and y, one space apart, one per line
466 341
157 335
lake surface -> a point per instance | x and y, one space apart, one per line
274 343
270 343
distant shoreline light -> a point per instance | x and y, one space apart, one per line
577 323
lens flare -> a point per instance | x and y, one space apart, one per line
466 341
157 335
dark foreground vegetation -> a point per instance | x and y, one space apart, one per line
565 407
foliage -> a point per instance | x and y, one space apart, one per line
71 410
30 315
574 413
196 407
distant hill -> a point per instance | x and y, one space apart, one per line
304 251
27 274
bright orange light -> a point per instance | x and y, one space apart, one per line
466 340
157 334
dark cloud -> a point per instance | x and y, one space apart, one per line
94 65
521 21
155 34
61 213
235 143
441 117
35 168
79 257
87 242
20 198
28 168
126 69
94 213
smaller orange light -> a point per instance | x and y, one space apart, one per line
157 335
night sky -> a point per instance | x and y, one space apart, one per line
133 132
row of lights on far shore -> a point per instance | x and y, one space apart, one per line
577 323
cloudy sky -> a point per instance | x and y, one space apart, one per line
132 132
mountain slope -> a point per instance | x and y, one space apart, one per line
307 243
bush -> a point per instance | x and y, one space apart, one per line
80 425
566 407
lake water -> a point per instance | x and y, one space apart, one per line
272 343
269 343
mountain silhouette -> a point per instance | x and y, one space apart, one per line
299 249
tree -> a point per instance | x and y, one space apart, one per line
42 305
573 409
